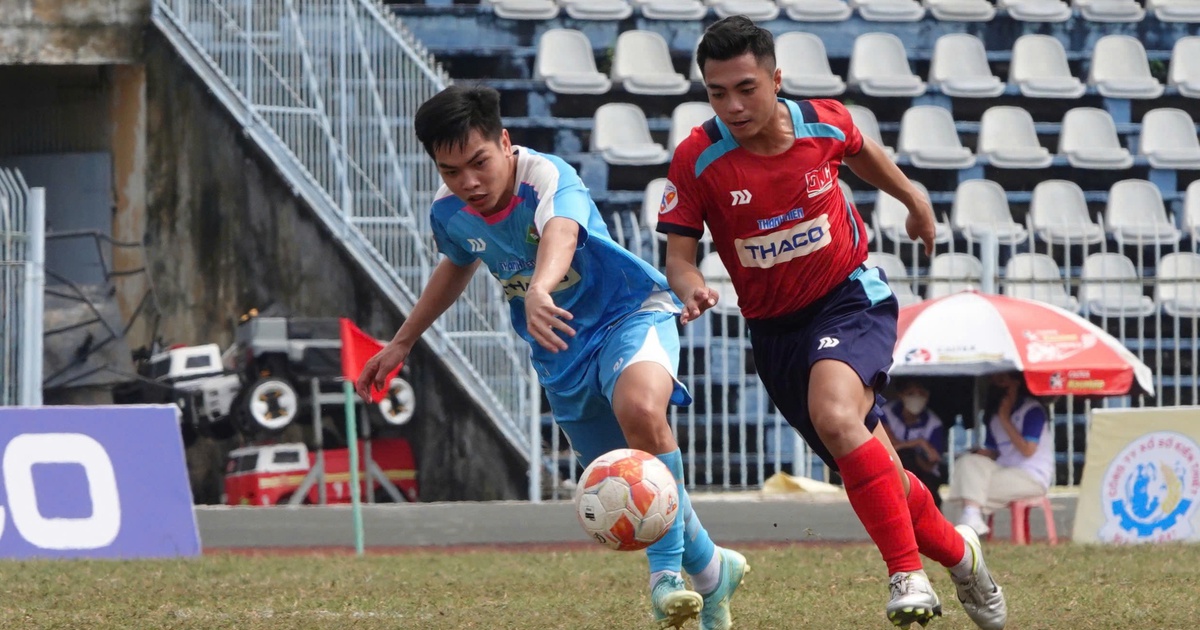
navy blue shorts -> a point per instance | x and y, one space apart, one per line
855 323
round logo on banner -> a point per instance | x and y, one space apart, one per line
1150 490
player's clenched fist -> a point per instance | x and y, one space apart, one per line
701 299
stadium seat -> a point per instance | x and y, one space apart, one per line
1037 10
980 207
1177 285
597 9
960 68
816 10
951 273
565 62
1175 10
868 126
1119 69
1169 139
805 66
1039 68
717 277
1037 277
1191 210
897 277
961 10
686 117
689 10
1019 511
1111 288
889 10
1110 10
879 67
928 138
622 136
890 215
1059 215
757 10
1136 215
524 9
1089 140
1184 72
1008 139
642 63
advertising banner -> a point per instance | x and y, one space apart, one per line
94 482
1141 477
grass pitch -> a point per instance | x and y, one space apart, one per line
799 586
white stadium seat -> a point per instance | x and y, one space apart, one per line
622 136
1135 215
1039 68
1119 69
879 67
1008 139
1177 285
1037 277
981 207
565 62
1169 139
642 63
1111 287
960 68
1089 140
951 273
805 66
929 139
1059 214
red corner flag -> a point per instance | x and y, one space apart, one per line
357 348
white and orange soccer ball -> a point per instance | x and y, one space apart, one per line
626 499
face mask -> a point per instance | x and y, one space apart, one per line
915 403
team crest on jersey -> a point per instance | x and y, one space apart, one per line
532 237
819 180
670 199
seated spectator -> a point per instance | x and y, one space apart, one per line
1017 460
917 435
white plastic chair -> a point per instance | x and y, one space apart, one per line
889 10
1175 10
879 67
1191 209
1089 140
897 277
960 68
1169 139
1039 68
684 118
816 10
929 139
756 10
1059 214
1184 71
524 9
622 135
642 63
961 10
981 207
1110 10
1119 69
1111 288
1136 215
1008 139
1037 277
604 10
565 62
805 66
890 215
1037 10
864 119
1177 285
951 273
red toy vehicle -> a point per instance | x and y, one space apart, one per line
271 474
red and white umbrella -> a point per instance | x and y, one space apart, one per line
973 334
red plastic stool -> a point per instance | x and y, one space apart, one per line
1020 510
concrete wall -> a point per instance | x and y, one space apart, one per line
224 234
71 31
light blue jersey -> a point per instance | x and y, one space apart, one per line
605 283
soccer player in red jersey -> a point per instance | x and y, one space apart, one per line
763 175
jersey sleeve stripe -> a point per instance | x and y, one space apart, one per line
853 222
807 124
808 113
682 230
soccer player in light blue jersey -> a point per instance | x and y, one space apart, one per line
601 321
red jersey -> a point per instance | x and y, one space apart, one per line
780 223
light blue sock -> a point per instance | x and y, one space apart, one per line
667 553
698 548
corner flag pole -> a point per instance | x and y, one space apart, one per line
352 441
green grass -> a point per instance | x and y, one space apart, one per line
1066 586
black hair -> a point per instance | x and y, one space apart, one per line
996 394
446 119
735 36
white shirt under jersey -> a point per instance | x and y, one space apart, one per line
1032 422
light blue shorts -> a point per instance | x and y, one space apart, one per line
584 411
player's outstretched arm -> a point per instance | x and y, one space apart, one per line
447 282
873 166
543 317
685 278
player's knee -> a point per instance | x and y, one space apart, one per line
644 422
838 422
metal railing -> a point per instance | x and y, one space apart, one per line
22 286
328 90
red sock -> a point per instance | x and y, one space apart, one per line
936 537
878 499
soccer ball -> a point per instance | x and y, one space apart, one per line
626 499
